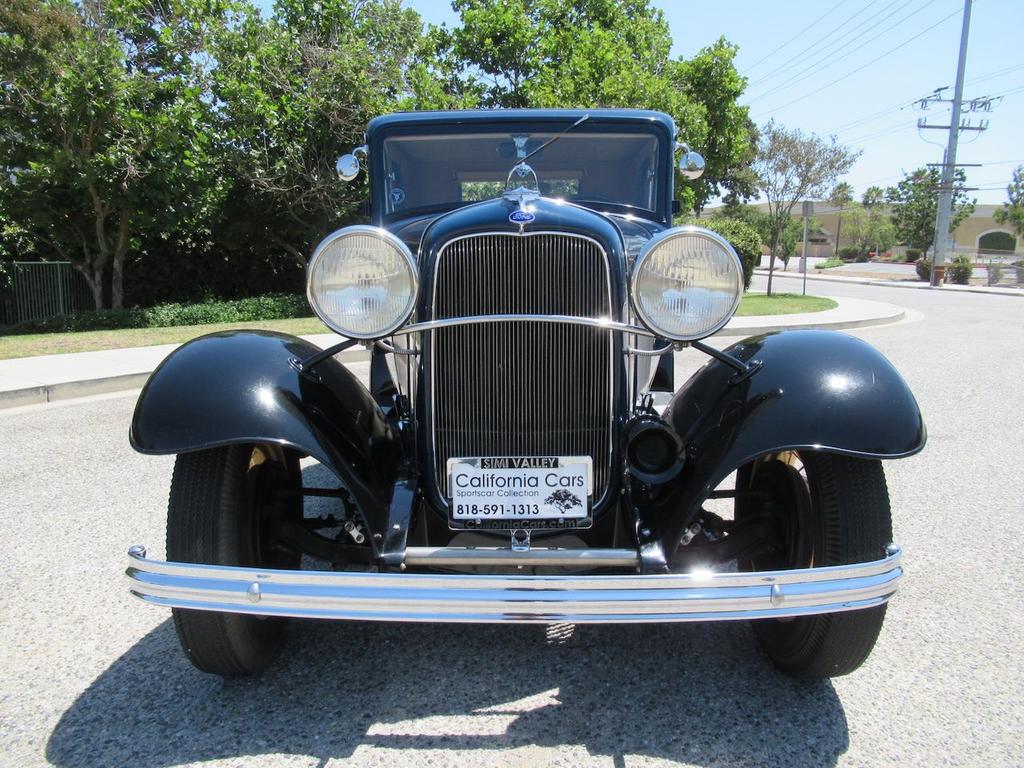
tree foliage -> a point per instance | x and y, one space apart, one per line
294 92
914 206
603 53
1012 212
792 167
869 227
178 149
102 138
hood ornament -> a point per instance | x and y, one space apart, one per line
524 193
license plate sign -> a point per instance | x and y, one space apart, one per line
545 491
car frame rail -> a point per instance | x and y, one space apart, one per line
522 598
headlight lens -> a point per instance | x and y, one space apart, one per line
361 282
687 283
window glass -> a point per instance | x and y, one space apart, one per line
451 169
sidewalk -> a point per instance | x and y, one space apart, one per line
918 284
31 380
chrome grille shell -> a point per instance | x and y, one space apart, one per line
522 388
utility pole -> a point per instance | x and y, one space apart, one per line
949 161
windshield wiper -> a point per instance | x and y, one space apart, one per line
549 142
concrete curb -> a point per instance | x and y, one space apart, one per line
914 286
102 385
871 313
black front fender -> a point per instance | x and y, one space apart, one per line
244 387
814 390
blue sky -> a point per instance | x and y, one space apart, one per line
855 68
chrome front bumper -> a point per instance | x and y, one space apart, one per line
515 598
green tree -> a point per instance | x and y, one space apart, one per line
601 53
1012 212
840 197
103 131
914 204
868 227
294 92
792 167
872 196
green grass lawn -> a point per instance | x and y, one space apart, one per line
90 341
782 304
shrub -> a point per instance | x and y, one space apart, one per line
829 264
913 254
271 307
849 252
862 258
924 269
744 239
959 270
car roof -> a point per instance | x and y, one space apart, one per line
461 117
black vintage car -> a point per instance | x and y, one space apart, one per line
522 453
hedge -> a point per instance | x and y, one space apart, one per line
270 307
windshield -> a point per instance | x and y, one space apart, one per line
446 170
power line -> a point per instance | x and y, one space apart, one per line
830 59
890 52
815 44
794 37
998 73
868 118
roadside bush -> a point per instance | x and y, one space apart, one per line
862 258
913 254
924 268
849 252
959 270
829 264
271 307
744 239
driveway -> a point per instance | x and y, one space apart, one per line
92 677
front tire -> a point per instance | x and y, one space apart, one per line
220 502
827 510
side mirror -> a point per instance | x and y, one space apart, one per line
691 164
348 166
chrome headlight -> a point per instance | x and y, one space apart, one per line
687 283
362 282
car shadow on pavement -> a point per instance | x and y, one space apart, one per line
694 693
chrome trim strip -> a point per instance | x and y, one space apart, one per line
442 557
516 598
593 322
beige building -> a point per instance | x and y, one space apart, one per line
977 235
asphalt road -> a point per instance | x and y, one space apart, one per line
91 677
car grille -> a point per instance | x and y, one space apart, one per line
522 388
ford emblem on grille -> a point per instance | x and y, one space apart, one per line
521 217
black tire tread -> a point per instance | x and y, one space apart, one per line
204 526
853 498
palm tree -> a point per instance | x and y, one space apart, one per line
840 197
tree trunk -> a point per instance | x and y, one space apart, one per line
95 286
117 263
771 262
839 228
291 250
